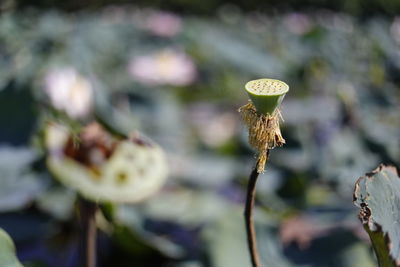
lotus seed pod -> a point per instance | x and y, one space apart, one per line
266 94
102 168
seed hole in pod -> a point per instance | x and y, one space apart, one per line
266 87
121 177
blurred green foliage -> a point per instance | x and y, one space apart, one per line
354 7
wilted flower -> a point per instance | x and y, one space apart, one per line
103 167
166 67
163 24
69 91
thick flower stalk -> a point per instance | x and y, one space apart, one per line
262 116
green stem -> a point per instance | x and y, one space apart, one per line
248 214
88 225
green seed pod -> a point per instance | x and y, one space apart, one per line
266 94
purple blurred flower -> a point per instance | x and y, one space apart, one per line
298 23
166 67
163 24
69 91
214 127
302 230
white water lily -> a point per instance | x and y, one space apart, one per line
69 91
166 67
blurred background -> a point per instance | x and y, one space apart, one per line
175 70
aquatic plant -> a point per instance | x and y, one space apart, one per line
261 115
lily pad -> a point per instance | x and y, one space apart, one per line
377 194
227 235
19 184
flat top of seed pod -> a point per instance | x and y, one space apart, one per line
267 87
